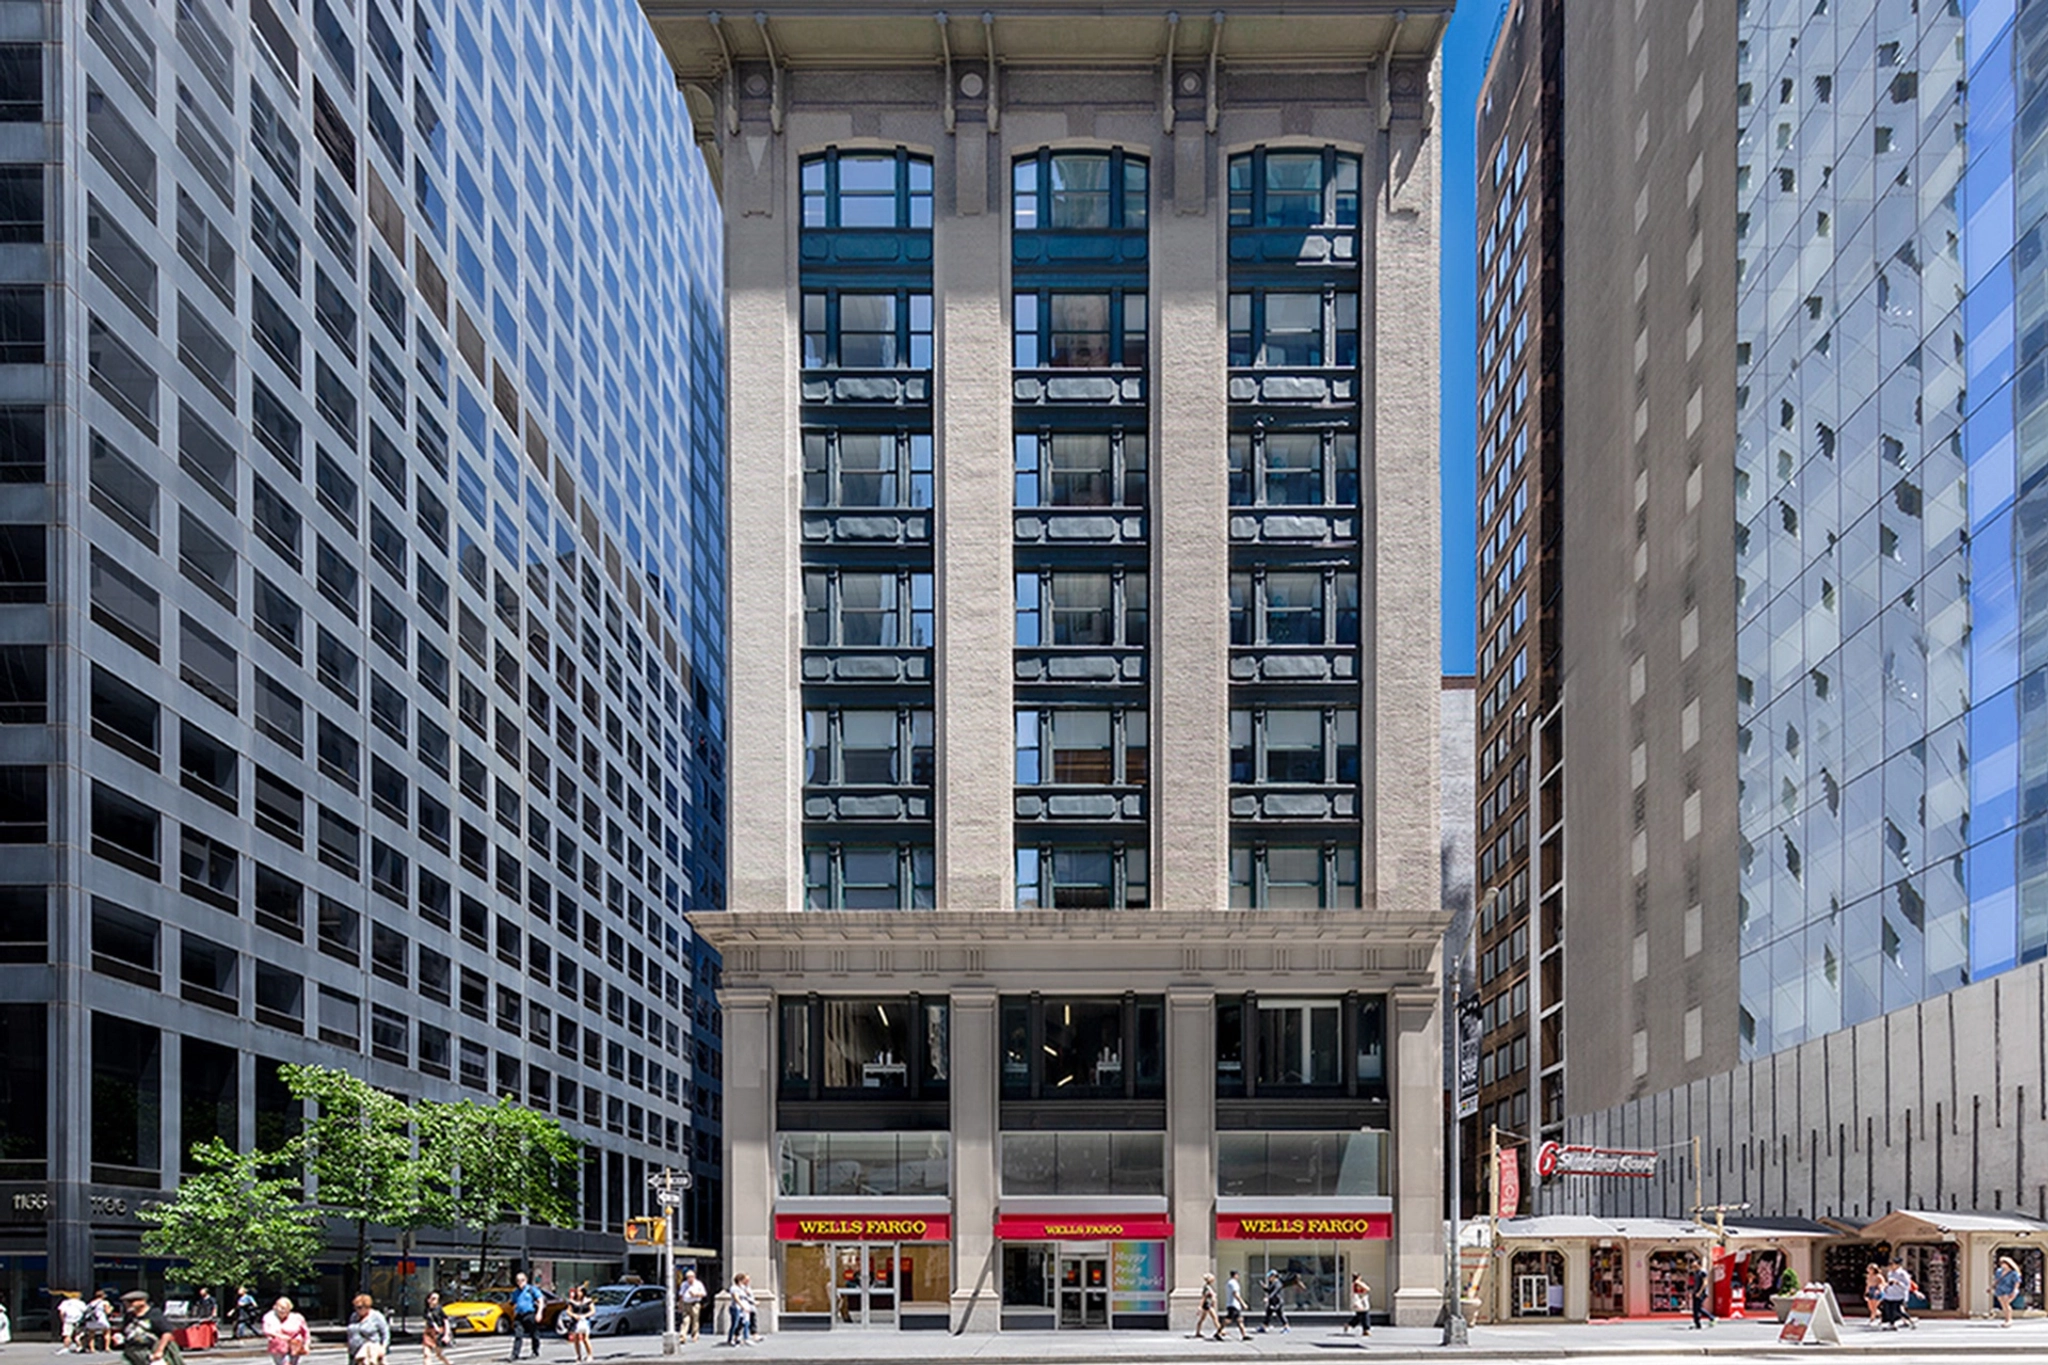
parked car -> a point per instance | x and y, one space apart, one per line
623 1308
490 1310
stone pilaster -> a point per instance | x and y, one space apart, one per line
1191 1136
974 564
764 631
1190 644
750 1144
1417 1265
977 1271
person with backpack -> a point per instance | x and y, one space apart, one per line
146 1333
527 1300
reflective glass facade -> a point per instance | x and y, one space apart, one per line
363 502
1891 517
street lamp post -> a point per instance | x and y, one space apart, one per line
668 1186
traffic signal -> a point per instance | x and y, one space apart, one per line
650 1232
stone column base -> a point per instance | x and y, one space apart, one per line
976 1311
1418 1307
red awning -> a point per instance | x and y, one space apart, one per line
863 1227
1310 1227
1091 1227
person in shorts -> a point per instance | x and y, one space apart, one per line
1233 1309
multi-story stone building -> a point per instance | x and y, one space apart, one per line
363 686
1519 884
1085 915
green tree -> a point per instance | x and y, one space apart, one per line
504 1162
232 1225
358 1146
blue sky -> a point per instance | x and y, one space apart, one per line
1467 43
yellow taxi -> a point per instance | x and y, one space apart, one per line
490 1310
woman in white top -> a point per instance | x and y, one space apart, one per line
1361 1307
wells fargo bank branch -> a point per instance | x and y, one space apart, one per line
1039 1161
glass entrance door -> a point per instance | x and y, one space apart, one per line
1084 1291
864 1285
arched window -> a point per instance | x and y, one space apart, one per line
1078 191
1294 187
864 189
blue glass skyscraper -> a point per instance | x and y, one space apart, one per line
362 686
1892 541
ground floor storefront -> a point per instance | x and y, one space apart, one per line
1071 1136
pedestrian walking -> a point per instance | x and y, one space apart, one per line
1361 1307
71 1320
434 1331
285 1333
369 1332
6 1326
1873 1290
575 1321
245 1312
1276 1306
1207 1312
2005 1287
741 1333
1899 1289
1234 1309
145 1332
526 1305
694 1293
99 1322
204 1309
1702 1304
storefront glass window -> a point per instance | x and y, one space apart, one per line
806 1279
1084 1164
1315 1277
1301 1165
1076 1049
864 1164
870 1048
25 1080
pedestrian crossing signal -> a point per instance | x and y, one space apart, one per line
647 1232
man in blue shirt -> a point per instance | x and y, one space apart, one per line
526 1305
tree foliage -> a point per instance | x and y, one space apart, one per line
375 1161
232 1225
503 1162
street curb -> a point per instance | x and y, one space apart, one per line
1392 1351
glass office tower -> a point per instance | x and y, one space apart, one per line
1889 504
363 685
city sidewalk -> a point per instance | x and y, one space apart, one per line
2028 1338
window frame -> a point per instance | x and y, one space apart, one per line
1251 335
1251 882
915 884
1252 472
822 315
914 755
1036 167
1035 467
915 621
824 470
1249 206
1036 730
1131 622
822 198
1125 346
1037 869
1255 611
